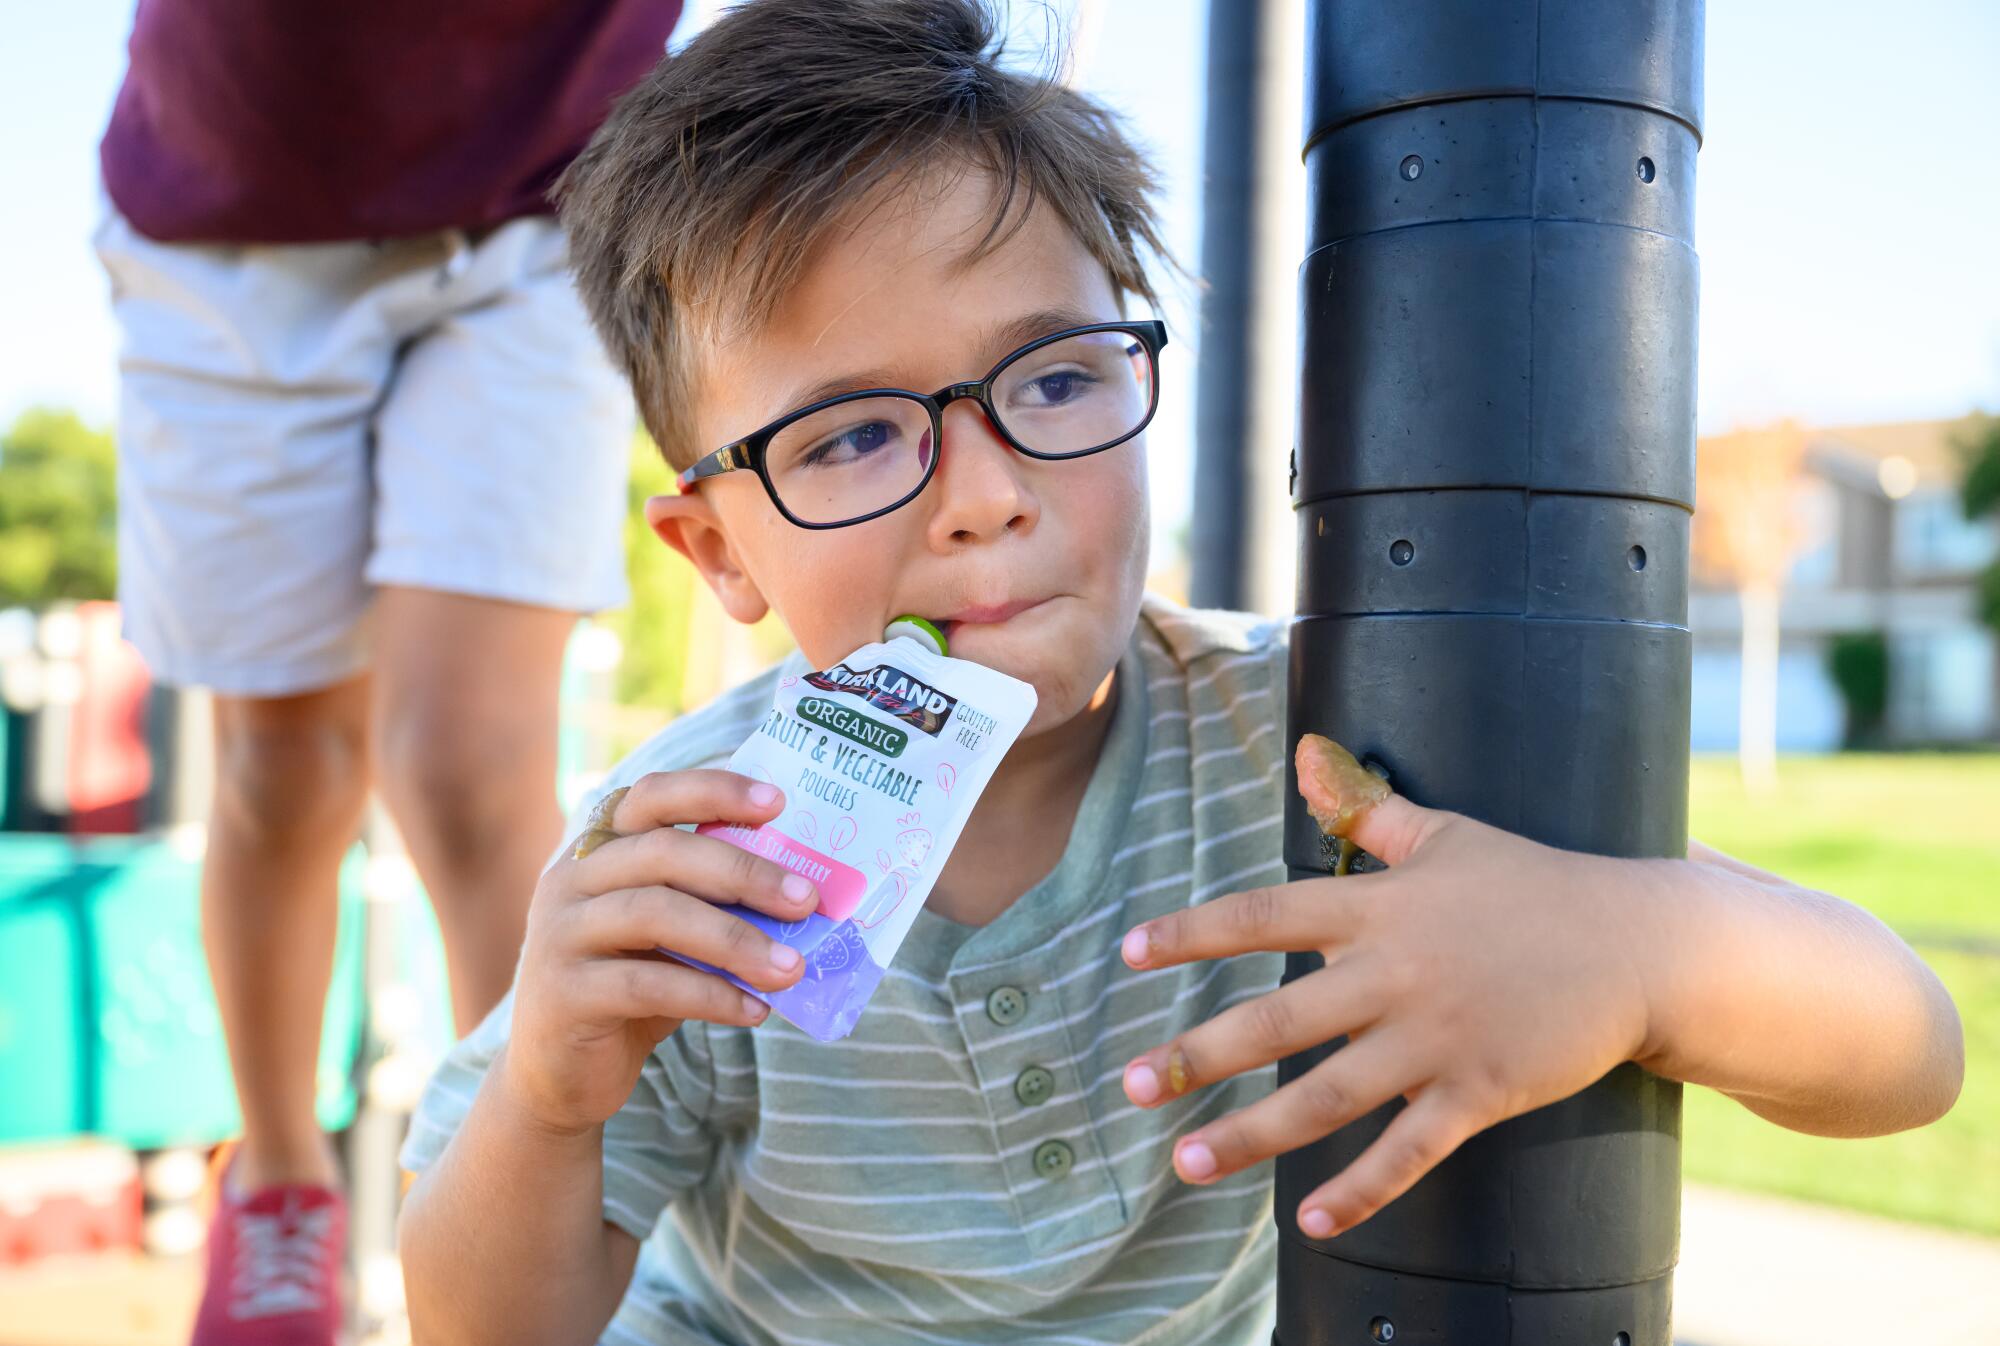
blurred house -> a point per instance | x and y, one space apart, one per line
1885 547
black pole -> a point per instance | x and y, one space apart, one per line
1219 536
1495 478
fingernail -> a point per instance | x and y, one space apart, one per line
1177 1071
784 957
755 1008
1316 1223
1137 945
1197 1160
763 795
797 887
1142 1082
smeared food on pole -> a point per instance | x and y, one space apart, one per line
1337 791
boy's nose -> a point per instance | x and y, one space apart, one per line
981 491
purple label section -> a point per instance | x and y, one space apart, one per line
826 1002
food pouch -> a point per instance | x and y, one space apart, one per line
881 758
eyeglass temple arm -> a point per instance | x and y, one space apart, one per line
725 459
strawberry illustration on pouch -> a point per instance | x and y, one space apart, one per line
830 955
913 845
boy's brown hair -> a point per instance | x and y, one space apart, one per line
699 202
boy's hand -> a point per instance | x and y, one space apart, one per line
595 993
1482 976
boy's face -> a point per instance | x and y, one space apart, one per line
890 300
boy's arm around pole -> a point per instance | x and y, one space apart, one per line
1495 975
1802 1007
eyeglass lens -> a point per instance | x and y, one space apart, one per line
1069 397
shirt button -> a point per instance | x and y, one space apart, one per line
1033 1085
1007 1006
1053 1158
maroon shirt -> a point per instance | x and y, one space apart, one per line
299 121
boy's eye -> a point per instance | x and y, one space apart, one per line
1054 389
850 445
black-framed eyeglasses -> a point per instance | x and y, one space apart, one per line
857 456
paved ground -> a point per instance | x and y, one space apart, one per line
111 1300
1754 1272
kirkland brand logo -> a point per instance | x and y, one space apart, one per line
892 691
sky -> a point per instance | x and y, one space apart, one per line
1848 205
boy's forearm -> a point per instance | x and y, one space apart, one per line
503 1238
1806 1009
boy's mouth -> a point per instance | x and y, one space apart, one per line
990 614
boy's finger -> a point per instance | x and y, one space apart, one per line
643 988
709 869
1292 917
668 798
1316 1008
1393 830
636 919
1349 1084
1417 1140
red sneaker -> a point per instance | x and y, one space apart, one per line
273 1268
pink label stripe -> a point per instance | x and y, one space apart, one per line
841 887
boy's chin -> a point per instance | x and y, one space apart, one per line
1062 694
1051 716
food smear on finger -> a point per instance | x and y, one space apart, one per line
597 829
1337 790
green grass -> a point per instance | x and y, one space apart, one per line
1916 840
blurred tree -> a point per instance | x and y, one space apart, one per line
1746 533
1858 663
1980 491
58 510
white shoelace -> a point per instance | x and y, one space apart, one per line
278 1262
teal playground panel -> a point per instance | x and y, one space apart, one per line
108 1023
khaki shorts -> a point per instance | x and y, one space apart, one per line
300 424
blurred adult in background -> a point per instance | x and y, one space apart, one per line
371 468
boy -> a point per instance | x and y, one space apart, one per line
1051 1121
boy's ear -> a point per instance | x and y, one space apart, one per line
687 523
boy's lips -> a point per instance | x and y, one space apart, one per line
991 613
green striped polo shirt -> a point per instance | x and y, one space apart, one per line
966 1168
